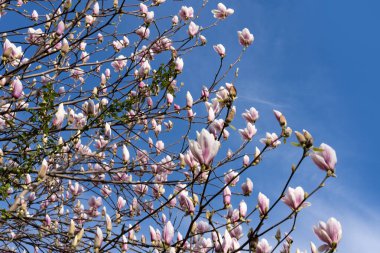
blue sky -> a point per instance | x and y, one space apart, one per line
317 62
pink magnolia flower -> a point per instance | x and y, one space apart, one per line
106 191
202 227
313 248
243 209
100 37
95 8
168 233
237 232
189 100
119 63
245 37
245 160
220 50
179 64
203 39
247 187
108 223
121 202
193 29
231 177
222 12
186 13
60 28
98 238
35 36
294 197
34 15
251 115
326 159
76 189
149 17
143 32
205 148
280 117
43 169
263 246
126 155
227 197
143 8
210 115
175 20
248 132
17 88
95 202
330 233
263 203
59 116
271 140
169 98
107 130
227 242
124 246
89 20
160 146
140 189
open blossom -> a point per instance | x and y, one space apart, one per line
35 36
59 116
205 148
220 50
95 202
248 132
251 115
143 32
222 12
247 187
326 159
330 233
76 189
119 63
193 29
294 197
263 246
231 177
245 37
271 140
149 17
186 13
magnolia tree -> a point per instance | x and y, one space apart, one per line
103 149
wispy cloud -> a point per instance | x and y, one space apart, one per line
259 100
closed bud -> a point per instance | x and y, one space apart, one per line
300 137
43 169
72 228
231 115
